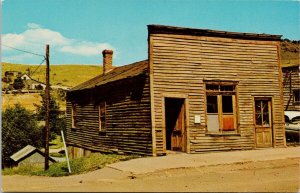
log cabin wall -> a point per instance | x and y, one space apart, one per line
181 63
291 88
128 119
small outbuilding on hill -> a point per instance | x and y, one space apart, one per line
29 155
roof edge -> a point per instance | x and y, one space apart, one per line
164 29
78 87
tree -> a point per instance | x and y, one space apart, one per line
6 79
56 117
19 129
18 83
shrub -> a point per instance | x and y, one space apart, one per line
19 129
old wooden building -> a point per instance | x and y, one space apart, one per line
199 90
291 87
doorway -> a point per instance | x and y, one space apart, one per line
263 122
175 120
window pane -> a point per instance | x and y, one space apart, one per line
213 123
102 115
264 105
227 104
212 87
258 115
258 119
265 109
227 88
266 119
212 104
296 95
258 106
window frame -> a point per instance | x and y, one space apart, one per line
74 119
295 96
101 123
219 92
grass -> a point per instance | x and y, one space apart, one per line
66 75
26 100
78 166
290 55
56 143
55 154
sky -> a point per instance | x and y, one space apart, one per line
78 30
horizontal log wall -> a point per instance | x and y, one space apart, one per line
181 63
295 84
128 122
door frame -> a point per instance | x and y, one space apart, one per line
271 117
186 112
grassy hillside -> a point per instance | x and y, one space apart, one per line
290 53
66 75
26 100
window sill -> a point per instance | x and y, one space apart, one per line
223 134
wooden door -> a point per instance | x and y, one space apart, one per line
175 124
263 123
177 136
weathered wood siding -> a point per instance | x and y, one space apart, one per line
128 119
291 82
180 63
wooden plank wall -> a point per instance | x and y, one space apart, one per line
295 82
128 122
180 63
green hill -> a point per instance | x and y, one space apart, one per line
290 53
66 75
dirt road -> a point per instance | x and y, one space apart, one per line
277 175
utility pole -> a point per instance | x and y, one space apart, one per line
47 93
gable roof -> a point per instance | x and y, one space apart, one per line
32 80
26 151
117 73
163 29
22 153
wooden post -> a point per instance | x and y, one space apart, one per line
47 95
66 150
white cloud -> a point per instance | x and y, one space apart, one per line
35 38
33 25
85 48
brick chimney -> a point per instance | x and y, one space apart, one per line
107 60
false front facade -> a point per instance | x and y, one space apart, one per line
200 90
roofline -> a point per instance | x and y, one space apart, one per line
163 29
75 89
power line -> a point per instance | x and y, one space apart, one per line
38 67
25 51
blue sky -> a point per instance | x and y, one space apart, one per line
78 30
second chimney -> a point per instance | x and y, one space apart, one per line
107 60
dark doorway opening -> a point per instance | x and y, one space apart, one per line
175 124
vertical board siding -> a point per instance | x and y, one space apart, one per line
128 124
181 63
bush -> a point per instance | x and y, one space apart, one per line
57 119
19 129
18 83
